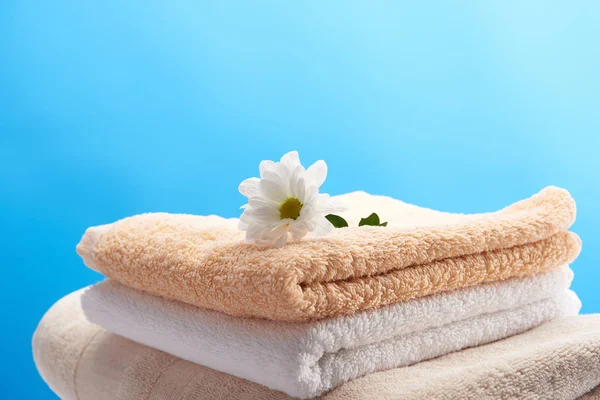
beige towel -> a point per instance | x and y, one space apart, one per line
203 261
593 394
78 360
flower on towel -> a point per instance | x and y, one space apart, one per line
285 201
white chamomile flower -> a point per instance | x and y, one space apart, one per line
286 201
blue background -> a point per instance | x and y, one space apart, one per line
114 108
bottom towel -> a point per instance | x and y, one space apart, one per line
307 359
80 360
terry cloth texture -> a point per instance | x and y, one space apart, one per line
593 394
204 261
80 360
308 359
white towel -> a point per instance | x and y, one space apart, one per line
305 360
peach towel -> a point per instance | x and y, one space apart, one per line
80 360
203 261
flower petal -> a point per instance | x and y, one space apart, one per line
249 187
281 176
266 213
297 184
242 226
298 234
276 237
323 228
307 212
324 204
273 190
265 165
317 173
261 201
299 228
280 242
256 232
291 160
311 193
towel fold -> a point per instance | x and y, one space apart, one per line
80 360
593 394
308 359
203 261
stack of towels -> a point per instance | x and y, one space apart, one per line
191 311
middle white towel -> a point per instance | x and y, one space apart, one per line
307 359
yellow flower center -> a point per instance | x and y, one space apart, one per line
290 209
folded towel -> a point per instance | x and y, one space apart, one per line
593 394
203 261
307 359
80 360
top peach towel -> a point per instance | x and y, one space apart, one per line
204 261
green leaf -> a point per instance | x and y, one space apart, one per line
336 220
371 220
